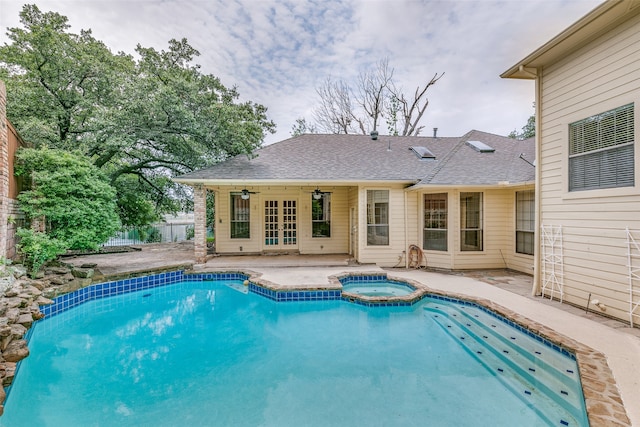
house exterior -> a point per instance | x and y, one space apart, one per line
466 202
588 181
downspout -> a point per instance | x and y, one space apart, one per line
535 289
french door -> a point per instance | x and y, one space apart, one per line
280 224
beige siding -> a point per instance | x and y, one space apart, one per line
306 244
393 254
601 76
498 234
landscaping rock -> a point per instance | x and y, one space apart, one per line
12 314
6 283
26 320
57 270
10 372
42 300
59 280
82 273
19 271
16 351
11 292
17 331
89 265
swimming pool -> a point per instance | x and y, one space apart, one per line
208 353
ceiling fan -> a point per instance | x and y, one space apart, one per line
317 194
245 194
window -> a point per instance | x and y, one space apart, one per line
435 222
470 221
525 222
601 150
240 209
377 217
321 215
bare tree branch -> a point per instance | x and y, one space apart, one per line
373 88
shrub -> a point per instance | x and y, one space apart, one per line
38 248
74 197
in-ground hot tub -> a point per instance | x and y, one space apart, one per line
377 288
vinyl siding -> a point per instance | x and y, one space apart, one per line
603 75
390 255
336 244
498 234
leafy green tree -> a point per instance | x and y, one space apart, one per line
144 120
71 194
528 130
301 127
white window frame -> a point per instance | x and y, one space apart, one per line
377 220
477 227
433 221
601 150
325 205
525 221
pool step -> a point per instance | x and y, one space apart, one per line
514 357
239 287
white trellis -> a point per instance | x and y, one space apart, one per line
552 261
633 262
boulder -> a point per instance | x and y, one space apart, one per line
5 283
16 351
31 290
19 271
11 292
12 314
82 273
43 301
58 280
25 319
57 270
10 368
40 284
13 302
18 331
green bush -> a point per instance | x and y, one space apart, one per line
71 194
38 248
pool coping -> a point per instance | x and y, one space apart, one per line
602 398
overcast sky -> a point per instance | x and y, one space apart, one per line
278 52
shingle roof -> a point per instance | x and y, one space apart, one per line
316 157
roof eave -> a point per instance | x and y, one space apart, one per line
277 182
594 23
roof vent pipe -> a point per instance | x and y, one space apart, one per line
435 132
374 134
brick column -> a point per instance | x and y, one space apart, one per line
4 170
200 223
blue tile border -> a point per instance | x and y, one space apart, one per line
296 294
124 286
107 289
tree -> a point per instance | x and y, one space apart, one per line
140 121
342 109
71 194
301 127
528 130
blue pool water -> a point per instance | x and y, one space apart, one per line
210 354
379 288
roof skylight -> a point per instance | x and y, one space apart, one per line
480 147
423 153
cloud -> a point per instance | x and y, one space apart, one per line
278 52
